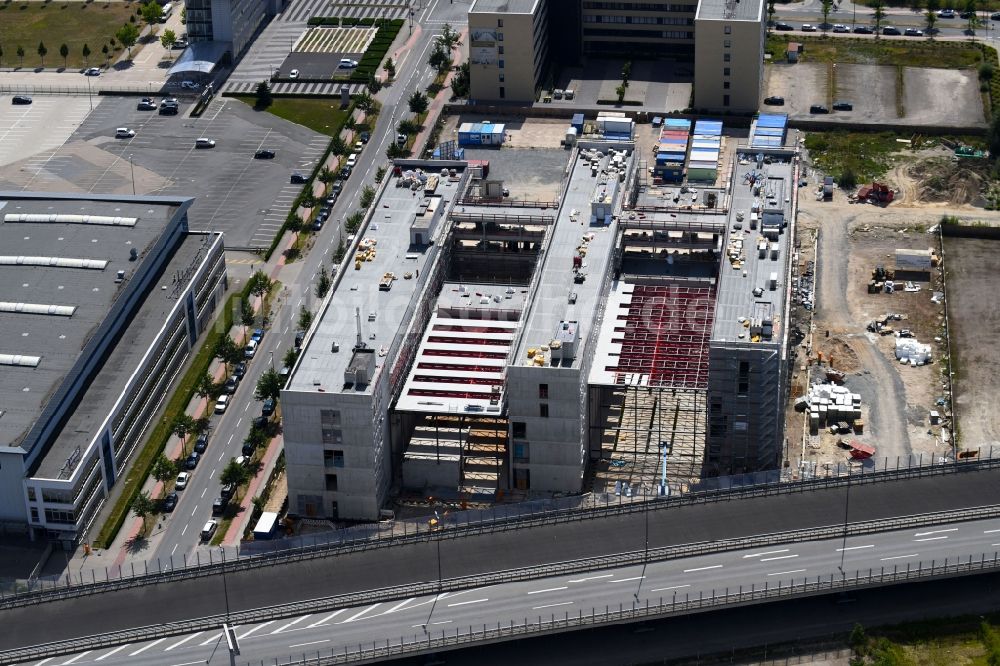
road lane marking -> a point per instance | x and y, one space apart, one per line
583 580
48 659
420 626
185 529
465 603
173 550
780 557
951 529
899 557
398 606
146 647
189 663
195 510
181 642
785 573
769 552
360 613
672 587
932 538
714 566
298 645
841 550
215 637
293 622
102 657
626 580
203 493
990 531
82 654
332 615
564 603
548 589
250 631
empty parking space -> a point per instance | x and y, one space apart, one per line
44 124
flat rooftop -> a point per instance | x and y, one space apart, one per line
461 365
384 314
737 302
732 10
87 289
558 297
504 6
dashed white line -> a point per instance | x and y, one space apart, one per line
714 566
185 528
320 623
466 603
146 647
840 550
257 628
899 557
932 538
298 645
195 510
564 603
769 552
189 663
785 573
293 622
548 589
82 654
359 614
101 658
626 580
443 622
920 534
780 557
203 493
990 531
173 550
181 642
215 637
398 606
672 587
583 580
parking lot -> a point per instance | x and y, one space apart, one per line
243 197
43 125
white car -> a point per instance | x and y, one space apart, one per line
182 480
839 27
190 85
209 529
347 63
124 133
250 350
806 27
294 74
221 404
92 71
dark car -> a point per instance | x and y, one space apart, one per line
249 448
966 15
891 30
169 110
863 30
257 334
239 370
146 104
365 137
913 32
20 99
192 461
818 108
268 407
228 491
843 106
995 16
318 223
337 187
299 337
219 505
345 172
260 422
783 26
298 179
264 155
169 503
332 199
774 101
231 384
201 444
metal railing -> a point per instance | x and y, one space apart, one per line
477 522
569 567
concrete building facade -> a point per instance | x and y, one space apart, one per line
729 55
234 22
508 49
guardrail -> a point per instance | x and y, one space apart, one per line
569 567
488 522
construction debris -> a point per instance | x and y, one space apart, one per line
909 351
830 404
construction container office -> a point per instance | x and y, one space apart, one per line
481 134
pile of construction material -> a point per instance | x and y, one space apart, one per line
911 352
830 404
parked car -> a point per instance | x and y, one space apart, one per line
169 110
201 444
221 404
783 26
774 101
228 491
249 448
204 143
257 334
294 74
219 505
891 30
967 15
946 14
20 99
840 27
913 32
808 27
401 139
298 179
169 503
169 101
182 481
337 187
190 85
260 422
146 104
231 384
347 63
250 350
317 224
843 106
365 136
345 172
818 108
264 155
192 460
299 337
239 370
995 16
124 133
92 71
209 530
268 407
863 30
179 45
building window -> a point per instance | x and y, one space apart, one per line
727 43
500 63
34 515
332 435
726 57
543 411
499 23
743 377
728 29
499 36
501 77
543 391
725 85
519 429
331 482
522 452
725 100
333 458
725 71
500 50
329 416
503 92
31 493
522 479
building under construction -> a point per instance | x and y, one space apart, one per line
628 337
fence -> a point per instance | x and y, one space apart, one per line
459 524
151 88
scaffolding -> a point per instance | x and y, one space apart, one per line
472 448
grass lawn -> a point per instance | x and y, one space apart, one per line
74 24
320 115
918 53
868 155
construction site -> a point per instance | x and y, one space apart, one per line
625 338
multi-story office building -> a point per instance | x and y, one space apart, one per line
233 22
508 48
106 296
729 55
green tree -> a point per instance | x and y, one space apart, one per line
418 102
233 473
325 175
449 37
390 68
365 102
626 72
373 84
42 51
164 469
930 19
770 12
848 179
86 55
206 388
152 13
263 95
973 21
460 82
826 6
247 317
339 147
269 385
260 285
107 54
322 282
396 151
353 221
409 126
993 138
168 39
305 318
440 58
128 35
620 91
878 15
367 196
227 351
20 55
182 426
143 507
857 639
291 355
379 174
64 52
296 223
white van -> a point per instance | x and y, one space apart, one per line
168 9
352 159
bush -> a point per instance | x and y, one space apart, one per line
847 180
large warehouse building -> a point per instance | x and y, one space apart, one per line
515 44
103 299
475 346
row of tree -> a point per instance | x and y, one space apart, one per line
931 8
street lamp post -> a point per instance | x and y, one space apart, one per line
847 508
440 584
645 554
131 168
90 96
225 587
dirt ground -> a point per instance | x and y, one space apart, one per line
974 307
873 90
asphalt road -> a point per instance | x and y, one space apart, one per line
414 562
518 603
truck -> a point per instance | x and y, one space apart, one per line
266 526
